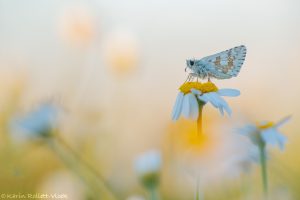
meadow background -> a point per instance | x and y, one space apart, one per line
114 67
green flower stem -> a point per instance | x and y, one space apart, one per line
263 162
99 178
72 159
153 195
197 195
198 192
71 164
199 120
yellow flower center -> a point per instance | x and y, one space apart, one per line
203 87
266 125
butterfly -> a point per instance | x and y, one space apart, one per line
223 65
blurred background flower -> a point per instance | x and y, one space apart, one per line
77 25
63 183
135 197
121 51
148 167
38 123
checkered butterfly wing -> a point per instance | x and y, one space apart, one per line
225 64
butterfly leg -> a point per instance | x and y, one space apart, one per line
188 78
193 75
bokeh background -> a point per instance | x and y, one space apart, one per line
114 67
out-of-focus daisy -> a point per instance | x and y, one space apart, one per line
243 163
148 167
209 157
135 197
192 95
214 156
63 184
261 135
265 133
38 122
121 52
76 25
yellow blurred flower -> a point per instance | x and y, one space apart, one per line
190 140
77 26
212 155
121 52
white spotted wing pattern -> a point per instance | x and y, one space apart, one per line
223 65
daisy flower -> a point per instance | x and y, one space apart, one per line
148 167
135 197
194 95
190 102
77 26
265 133
38 122
261 135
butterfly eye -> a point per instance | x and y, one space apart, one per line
192 62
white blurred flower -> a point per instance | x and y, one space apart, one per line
148 166
243 162
135 197
38 122
213 156
76 25
194 93
266 133
64 184
121 52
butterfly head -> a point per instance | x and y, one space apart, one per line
190 63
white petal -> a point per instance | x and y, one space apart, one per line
229 92
185 106
247 129
282 139
148 162
220 102
227 108
221 111
177 106
190 107
272 136
283 121
269 137
210 97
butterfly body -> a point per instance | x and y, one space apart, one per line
223 65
